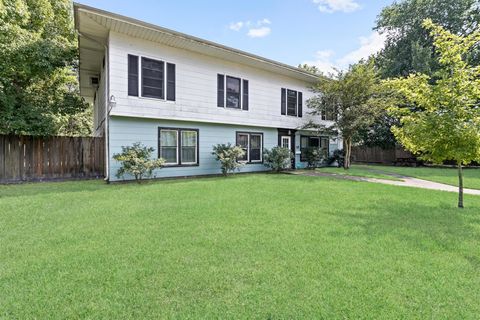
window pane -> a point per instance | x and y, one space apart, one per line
189 138
255 147
188 155
233 92
304 142
256 141
314 142
168 145
189 146
152 78
291 102
169 154
168 138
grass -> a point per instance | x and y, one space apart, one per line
250 246
357 171
443 175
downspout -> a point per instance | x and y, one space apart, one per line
107 115
107 105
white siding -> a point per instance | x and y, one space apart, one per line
196 87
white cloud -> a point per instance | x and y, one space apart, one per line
326 62
330 6
259 32
323 61
368 46
236 26
257 29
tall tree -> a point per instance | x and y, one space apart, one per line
409 48
354 97
39 91
445 123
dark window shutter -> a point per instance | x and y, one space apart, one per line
132 75
220 90
300 104
284 101
170 81
245 95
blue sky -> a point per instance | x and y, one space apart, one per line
326 33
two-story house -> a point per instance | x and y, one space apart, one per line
182 95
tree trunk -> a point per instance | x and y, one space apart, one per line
347 147
460 185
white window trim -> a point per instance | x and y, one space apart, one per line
176 147
249 135
296 103
196 146
225 92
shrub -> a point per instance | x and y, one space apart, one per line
313 156
136 161
338 156
228 156
278 158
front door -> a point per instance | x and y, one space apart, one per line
286 139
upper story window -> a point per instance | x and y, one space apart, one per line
329 115
232 92
151 77
292 103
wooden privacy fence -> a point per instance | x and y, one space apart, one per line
30 158
379 155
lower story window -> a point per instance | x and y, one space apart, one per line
178 146
252 144
320 143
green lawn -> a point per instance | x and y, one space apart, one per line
443 175
251 246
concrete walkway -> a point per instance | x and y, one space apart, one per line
404 181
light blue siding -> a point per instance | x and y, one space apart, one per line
125 131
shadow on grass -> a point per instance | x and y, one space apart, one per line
72 186
425 227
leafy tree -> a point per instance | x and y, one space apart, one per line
278 158
379 133
409 48
136 160
445 123
309 68
39 91
228 156
354 96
